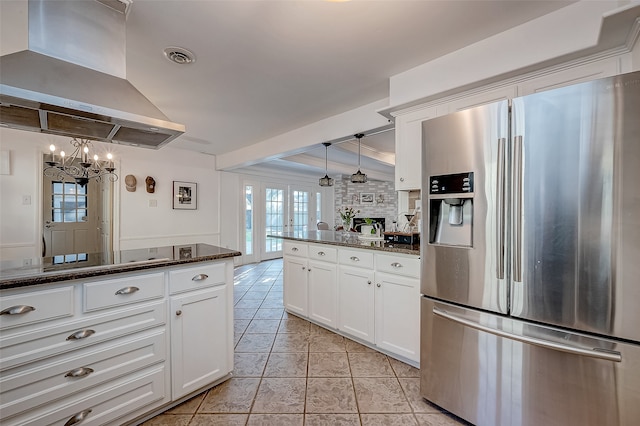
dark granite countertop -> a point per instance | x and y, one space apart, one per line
350 239
85 265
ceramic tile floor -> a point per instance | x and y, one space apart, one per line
289 371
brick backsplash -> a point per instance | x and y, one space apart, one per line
385 203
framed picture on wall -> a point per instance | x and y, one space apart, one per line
185 195
367 197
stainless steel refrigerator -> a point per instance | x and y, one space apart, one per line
530 312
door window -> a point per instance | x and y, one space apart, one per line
68 202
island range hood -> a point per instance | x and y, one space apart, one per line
72 79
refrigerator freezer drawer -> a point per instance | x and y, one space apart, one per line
493 370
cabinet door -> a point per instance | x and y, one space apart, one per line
409 148
198 339
322 292
356 302
296 276
397 301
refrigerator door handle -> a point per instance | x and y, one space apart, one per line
593 353
501 208
517 208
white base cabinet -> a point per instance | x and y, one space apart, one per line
371 296
99 351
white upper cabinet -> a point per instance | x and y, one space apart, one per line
409 148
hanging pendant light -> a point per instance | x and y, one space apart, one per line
358 177
326 180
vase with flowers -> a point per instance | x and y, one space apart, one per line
347 214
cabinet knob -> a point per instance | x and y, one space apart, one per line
200 277
127 290
82 334
78 417
396 265
304 268
79 372
309 270
17 310
354 258
369 282
320 253
378 285
401 179
178 312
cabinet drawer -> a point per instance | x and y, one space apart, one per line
22 348
196 278
122 291
327 254
35 306
295 249
359 258
39 382
104 404
394 264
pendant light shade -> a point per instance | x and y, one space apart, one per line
358 177
326 180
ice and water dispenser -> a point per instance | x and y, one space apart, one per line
451 209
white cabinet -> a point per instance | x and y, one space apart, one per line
322 285
198 333
586 72
295 290
356 314
310 281
99 351
200 318
409 148
398 314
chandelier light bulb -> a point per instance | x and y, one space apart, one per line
109 156
95 157
62 154
52 148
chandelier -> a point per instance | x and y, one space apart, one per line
78 166
326 180
359 177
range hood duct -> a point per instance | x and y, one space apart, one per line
72 80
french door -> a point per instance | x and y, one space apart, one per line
273 209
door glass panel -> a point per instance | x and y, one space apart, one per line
300 212
68 202
248 222
319 208
274 218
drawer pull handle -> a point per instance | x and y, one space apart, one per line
17 310
200 277
321 253
82 334
79 372
178 312
396 265
78 417
369 282
294 249
354 258
378 285
127 290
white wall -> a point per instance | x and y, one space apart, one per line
139 224
530 46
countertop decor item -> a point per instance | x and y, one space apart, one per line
185 195
346 215
79 166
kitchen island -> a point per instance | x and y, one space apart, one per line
363 289
113 338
